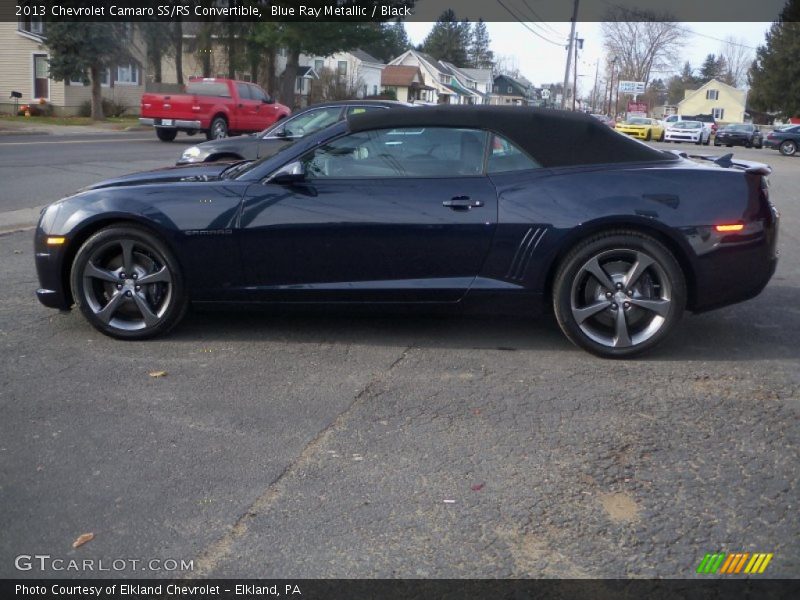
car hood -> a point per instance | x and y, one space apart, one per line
200 172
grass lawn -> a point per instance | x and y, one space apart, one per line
121 121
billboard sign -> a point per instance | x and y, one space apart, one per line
631 87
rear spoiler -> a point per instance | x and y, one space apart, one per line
726 161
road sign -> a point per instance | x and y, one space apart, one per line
545 94
631 87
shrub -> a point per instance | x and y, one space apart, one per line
111 108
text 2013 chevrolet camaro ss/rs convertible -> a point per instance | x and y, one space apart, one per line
498 208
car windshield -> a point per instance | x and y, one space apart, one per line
687 125
638 121
738 127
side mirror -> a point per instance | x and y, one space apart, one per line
268 100
289 174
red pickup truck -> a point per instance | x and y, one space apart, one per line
218 107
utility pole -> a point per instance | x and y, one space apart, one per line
575 72
569 55
594 89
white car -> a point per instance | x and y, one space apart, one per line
688 131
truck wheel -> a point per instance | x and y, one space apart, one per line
218 129
166 135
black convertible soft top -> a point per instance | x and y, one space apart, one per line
554 138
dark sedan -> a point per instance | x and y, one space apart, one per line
279 135
785 140
739 134
456 206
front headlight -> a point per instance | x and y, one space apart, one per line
194 154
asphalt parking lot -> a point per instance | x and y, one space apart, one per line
330 445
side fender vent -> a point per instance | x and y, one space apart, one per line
526 249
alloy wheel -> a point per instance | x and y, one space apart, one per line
621 298
127 285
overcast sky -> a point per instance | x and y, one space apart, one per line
543 62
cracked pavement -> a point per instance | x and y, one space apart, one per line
336 445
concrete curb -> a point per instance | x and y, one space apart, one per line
19 220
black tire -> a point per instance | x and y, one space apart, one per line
218 129
663 134
707 142
166 135
717 143
97 281
788 147
649 135
615 253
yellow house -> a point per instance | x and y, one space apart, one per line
25 69
725 102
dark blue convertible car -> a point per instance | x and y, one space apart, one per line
494 208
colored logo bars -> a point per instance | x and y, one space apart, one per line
728 564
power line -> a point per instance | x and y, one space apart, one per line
540 20
526 26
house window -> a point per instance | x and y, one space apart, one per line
319 64
76 79
105 77
510 89
444 78
298 85
342 67
32 25
719 113
127 75
712 94
41 76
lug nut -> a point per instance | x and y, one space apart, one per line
627 305
138 287
608 294
135 276
128 294
619 286
630 292
614 306
119 286
122 275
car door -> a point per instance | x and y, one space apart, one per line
385 215
265 109
247 110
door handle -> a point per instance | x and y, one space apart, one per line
462 203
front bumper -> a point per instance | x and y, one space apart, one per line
681 137
731 141
170 123
639 134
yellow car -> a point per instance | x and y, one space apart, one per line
642 128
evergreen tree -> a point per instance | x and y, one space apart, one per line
391 41
87 48
449 40
775 74
709 69
480 56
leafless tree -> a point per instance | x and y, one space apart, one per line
738 58
331 85
643 41
506 65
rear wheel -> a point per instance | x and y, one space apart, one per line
661 139
649 135
218 129
788 148
618 294
127 283
166 135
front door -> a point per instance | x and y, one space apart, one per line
385 215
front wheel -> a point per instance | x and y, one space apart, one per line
649 135
661 139
166 135
618 294
127 283
788 148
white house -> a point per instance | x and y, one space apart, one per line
447 84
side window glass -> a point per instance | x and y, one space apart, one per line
244 91
403 152
311 121
256 93
505 156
